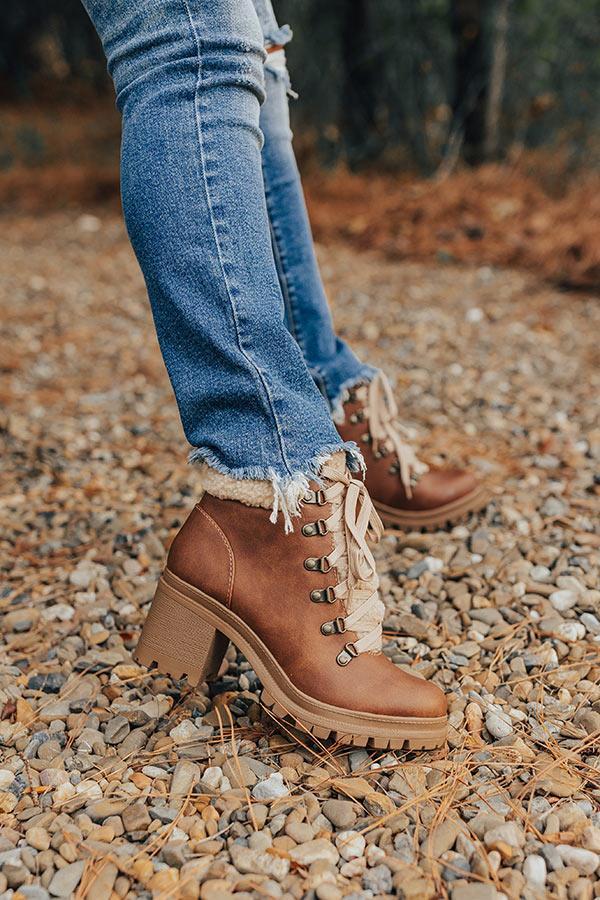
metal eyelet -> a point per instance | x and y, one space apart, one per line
317 564
365 438
394 469
317 497
346 655
336 626
327 595
314 528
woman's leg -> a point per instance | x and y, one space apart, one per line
303 607
332 364
189 81
405 491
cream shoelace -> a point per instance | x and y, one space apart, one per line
353 521
385 429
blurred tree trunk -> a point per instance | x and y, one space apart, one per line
359 80
470 76
497 79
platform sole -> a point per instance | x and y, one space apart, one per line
186 634
440 516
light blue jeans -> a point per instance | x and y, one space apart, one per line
332 364
189 78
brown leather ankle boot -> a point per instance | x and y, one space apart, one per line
405 491
304 610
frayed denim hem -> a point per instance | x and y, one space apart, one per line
366 374
277 37
276 66
288 489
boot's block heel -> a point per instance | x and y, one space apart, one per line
178 642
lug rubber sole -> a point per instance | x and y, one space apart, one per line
449 514
186 634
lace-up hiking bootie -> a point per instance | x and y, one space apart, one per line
406 492
303 608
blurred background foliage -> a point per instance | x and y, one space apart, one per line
424 80
460 131
395 83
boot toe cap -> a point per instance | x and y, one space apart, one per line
432 700
439 487
415 697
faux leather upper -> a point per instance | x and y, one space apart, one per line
236 555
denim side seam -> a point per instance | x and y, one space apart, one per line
280 263
319 379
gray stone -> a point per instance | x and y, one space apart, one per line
590 622
65 880
164 814
239 772
33 892
185 776
585 861
174 854
341 813
455 866
535 871
378 879
404 847
509 833
102 886
443 837
116 730
136 817
249 861
564 600
358 759
552 857
308 853
498 724
271 788
260 769
350 844
102 809
417 569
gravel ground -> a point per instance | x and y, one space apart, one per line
118 783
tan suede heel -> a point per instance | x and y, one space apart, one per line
178 642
